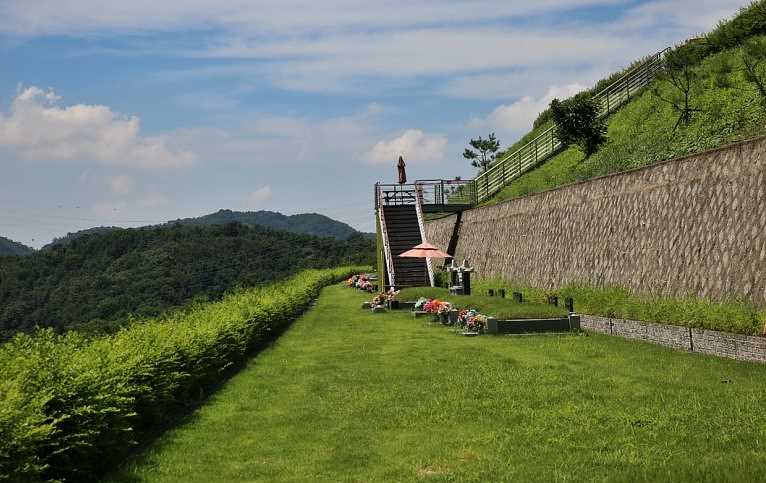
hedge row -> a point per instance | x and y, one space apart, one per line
740 317
70 407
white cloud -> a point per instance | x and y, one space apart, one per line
414 145
82 17
260 196
37 129
287 139
120 185
519 116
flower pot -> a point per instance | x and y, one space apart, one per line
452 317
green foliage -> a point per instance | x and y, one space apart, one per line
98 282
680 74
728 34
304 223
642 132
70 408
736 316
348 395
577 122
12 248
754 63
501 308
486 150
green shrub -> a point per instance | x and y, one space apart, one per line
735 316
70 407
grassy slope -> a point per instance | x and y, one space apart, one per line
641 133
346 395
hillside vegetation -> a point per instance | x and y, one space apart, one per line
728 107
347 395
70 407
12 248
305 223
99 282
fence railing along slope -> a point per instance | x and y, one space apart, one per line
544 146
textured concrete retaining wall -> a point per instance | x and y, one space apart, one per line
722 344
691 226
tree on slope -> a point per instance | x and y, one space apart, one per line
754 62
486 151
577 122
681 74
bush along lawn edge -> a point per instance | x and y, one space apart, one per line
736 316
72 408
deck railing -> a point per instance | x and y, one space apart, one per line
545 145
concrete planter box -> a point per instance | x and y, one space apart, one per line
533 326
401 305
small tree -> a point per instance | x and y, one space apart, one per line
577 122
754 62
486 151
679 71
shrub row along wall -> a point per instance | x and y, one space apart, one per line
694 226
69 407
722 344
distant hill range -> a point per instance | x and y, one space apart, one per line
12 248
304 224
96 281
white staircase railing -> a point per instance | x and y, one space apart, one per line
422 227
386 248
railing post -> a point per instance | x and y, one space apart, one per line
608 110
535 150
627 82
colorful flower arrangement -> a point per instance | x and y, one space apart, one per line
361 282
420 303
472 320
384 297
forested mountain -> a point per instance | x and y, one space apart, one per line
10 247
306 223
66 239
95 281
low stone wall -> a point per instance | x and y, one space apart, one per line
722 344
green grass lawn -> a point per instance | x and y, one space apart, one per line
500 308
347 395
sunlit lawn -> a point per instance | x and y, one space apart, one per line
346 395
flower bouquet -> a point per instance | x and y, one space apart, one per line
420 304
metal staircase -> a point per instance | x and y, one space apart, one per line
403 233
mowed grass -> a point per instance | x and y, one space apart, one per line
347 395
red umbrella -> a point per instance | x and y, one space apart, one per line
402 174
425 250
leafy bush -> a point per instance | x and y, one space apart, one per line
70 407
577 122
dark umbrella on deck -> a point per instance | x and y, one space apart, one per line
402 173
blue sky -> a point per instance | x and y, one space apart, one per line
129 113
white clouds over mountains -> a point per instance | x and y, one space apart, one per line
36 128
